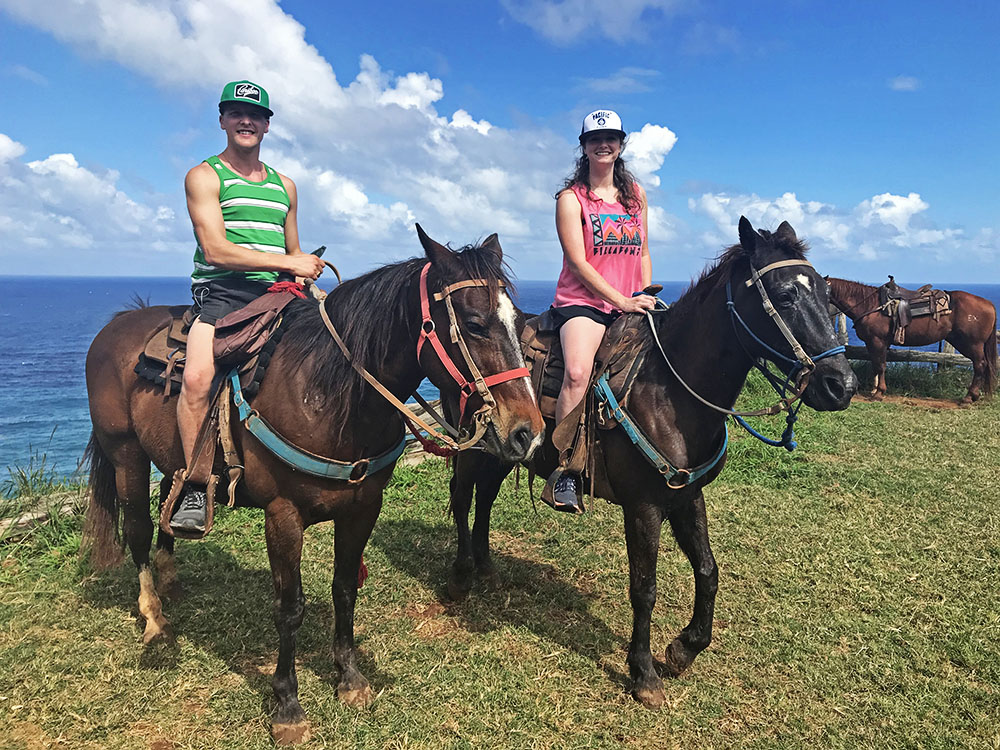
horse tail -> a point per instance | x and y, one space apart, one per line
102 541
991 360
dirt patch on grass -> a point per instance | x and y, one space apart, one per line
431 620
931 404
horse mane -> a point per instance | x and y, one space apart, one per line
364 310
732 258
850 285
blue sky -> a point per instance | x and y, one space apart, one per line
871 128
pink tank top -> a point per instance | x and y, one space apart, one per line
613 241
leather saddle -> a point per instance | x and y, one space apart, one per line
162 362
903 305
620 357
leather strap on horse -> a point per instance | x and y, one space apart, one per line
479 384
388 395
233 466
428 333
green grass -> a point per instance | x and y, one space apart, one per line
858 608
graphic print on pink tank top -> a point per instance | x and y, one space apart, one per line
613 241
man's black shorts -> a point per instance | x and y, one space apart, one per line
215 299
562 314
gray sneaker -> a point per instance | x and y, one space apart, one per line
565 493
192 514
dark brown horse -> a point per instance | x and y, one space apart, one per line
314 399
971 328
712 350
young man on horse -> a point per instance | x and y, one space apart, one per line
244 217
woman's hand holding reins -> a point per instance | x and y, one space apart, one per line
639 303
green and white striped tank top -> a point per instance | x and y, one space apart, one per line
254 214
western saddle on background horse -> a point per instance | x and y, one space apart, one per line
903 305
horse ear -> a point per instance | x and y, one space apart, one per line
435 251
748 236
492 243
785 232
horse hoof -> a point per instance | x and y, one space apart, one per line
173 591
651 698
678 657
156 634
290 734
357 697
458 590
490 579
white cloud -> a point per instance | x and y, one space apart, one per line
709 39
904 83
646 150
627 80
10 149
564 21
885 227
28 74
76 216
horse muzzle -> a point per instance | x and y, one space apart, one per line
832 385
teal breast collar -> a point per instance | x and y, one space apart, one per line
302 460
676 478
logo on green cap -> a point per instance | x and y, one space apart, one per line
245 91
248 91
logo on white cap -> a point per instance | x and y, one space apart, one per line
602 119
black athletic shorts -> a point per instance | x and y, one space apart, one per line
215 299
566 312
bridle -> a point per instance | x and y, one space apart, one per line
428 332
801 368
455 438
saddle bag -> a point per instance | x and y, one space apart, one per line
243 333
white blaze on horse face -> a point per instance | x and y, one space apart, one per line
508 316
804 281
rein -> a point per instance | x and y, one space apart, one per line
453 440
802 367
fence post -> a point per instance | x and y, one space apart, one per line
842 329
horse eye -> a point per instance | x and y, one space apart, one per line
786 297
477 327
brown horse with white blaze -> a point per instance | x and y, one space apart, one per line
314 398
971 328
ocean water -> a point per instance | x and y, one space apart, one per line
46 329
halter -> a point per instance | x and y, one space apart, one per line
801 367
453 440
428 332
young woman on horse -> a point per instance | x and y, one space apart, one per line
601 219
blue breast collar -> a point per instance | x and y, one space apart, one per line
302 460
676 478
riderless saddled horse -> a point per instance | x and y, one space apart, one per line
970 326
761 301
316 398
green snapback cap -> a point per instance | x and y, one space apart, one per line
246 92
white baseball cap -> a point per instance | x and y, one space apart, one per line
602 119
